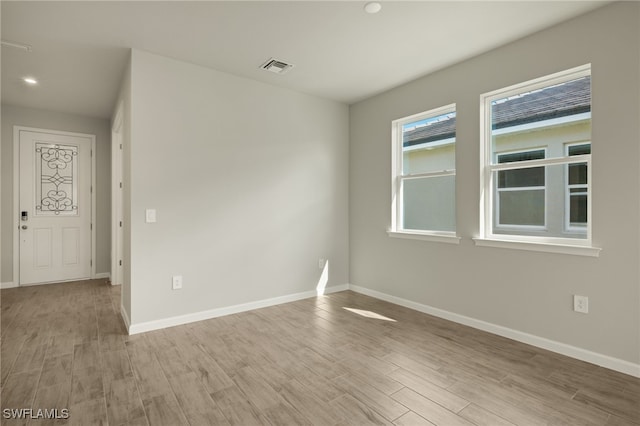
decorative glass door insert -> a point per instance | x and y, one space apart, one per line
56 180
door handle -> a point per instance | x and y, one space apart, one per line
24 226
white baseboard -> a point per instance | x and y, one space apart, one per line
541 342
8 284
11 284
228 310
125 318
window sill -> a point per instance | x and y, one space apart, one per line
450 238
542 247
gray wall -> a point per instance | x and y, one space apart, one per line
526 291
250 184
19 116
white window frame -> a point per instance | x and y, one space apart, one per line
488 169
398 178
579 229
524 228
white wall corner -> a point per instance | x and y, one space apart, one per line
8 284
125 318
335 289
602 360
102 275
227 310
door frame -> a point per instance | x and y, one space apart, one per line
16 195
117 231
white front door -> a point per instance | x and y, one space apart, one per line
55 206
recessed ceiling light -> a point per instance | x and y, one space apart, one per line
30 80
372 7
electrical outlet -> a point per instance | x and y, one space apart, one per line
581 304
321 263
177 282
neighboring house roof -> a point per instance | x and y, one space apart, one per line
573 97
435 131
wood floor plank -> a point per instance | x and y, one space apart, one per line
618 421
236 407
20 389
149 377
354 412
320 387
31 357
172 362
381 403
56 370
86 385
271 373
620 404
383 383
284 414
539 387
61 344
164 410
124 404
321 365
481 417
89 412
111 341
196 403
208 371
223 355
257 390
86 354
429 390
422 370
357 360
428 409
116 365
412 419
9 350
314 410
54 397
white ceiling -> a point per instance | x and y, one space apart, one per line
80 47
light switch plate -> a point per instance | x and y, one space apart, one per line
150 215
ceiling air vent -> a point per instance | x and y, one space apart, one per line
276 66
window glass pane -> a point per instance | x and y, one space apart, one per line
521 156
429 204
521 207
579 149
578 209
550 116
533 176
428 144
516 178
578 174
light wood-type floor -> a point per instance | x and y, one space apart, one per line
306 362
